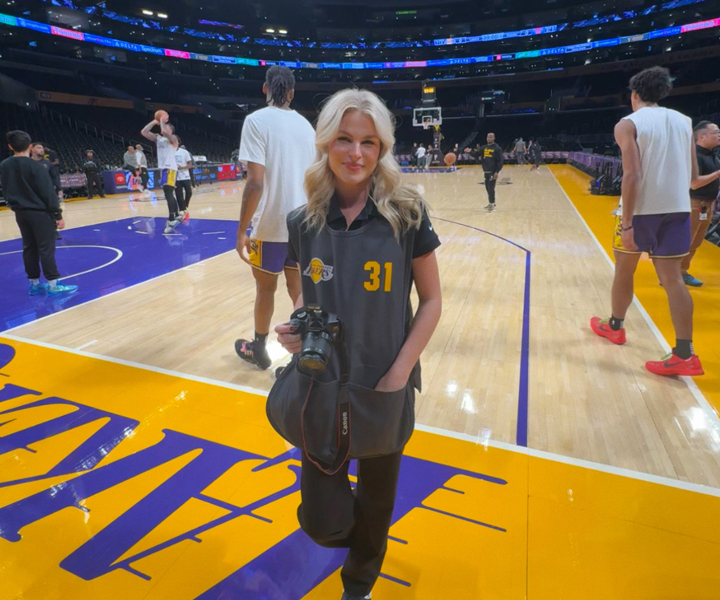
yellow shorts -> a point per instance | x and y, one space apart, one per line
617 237
167 177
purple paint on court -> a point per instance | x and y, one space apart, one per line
296 565
106 258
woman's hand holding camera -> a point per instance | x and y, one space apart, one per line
291 341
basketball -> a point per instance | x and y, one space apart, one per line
450 159
161 116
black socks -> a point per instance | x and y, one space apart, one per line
260 354
616 323
683 349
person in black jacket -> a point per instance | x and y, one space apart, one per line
491 156
535 152
38 154
54 159
92 172
29 192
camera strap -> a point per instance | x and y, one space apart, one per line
343 416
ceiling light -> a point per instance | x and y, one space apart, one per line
283 31
148 12
162 15
268 30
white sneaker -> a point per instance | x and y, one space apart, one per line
146 192
171 225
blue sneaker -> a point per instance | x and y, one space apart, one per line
37 289
59 288
691 281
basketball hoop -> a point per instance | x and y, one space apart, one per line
427 117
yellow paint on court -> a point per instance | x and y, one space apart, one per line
596 210
557 530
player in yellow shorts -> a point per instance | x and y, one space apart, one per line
167 145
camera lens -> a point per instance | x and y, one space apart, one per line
315 354
312 363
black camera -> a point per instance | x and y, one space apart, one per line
320 331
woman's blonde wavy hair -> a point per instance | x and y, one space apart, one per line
400 203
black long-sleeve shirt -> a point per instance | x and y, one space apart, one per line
52 157
54 174
90 167
492 158
27 186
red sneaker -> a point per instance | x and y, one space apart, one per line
187 216
602 328
674 365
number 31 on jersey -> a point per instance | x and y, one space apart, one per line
374 273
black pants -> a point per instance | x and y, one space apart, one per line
490 182
172 203
334 517
37 229
94 183
192 177
183 191
144 177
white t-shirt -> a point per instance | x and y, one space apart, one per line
182 158
664 137
166 154
283 141
141 160
420 152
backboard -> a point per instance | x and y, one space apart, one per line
434 115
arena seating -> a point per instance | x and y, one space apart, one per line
71 130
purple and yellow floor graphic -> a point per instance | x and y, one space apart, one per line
108 257
131 483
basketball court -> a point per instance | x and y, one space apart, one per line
136 460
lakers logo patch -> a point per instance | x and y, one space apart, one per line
318 271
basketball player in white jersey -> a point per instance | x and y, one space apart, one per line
659 164
278 145
167 145
183 190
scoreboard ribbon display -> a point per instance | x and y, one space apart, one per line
444 62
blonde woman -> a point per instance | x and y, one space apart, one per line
361 242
